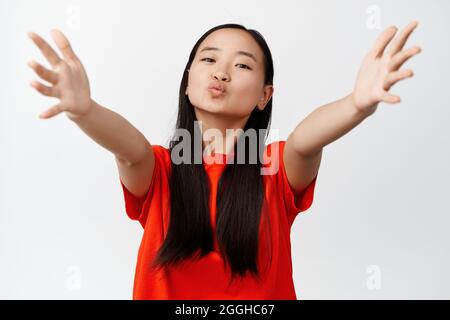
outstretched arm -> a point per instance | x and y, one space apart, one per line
378 73
68 82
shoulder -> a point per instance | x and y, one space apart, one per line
162 151
272 157
162 157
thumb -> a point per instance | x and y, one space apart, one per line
390 98
53 111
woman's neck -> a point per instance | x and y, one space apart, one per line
214 132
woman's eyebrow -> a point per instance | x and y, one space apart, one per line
244 53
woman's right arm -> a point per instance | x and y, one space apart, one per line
133 153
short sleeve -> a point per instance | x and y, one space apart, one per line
294 201
137 207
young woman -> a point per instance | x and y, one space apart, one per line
219 228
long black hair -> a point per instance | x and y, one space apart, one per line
240 189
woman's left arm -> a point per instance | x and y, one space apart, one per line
378 73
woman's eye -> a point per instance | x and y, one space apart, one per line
246 66
239 64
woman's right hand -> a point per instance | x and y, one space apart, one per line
68 78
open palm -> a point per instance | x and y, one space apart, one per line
380 69
68 78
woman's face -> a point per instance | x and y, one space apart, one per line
230 58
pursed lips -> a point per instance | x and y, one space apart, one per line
216 89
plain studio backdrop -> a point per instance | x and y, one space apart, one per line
378 226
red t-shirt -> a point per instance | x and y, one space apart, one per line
206 278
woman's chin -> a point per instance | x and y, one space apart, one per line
214 107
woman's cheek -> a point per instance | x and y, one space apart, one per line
248 96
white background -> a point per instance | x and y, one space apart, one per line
380 214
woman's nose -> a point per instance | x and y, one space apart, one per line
221 76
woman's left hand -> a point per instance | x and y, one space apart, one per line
380 70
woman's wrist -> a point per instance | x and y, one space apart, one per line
78 117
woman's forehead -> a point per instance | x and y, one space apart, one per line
231 40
